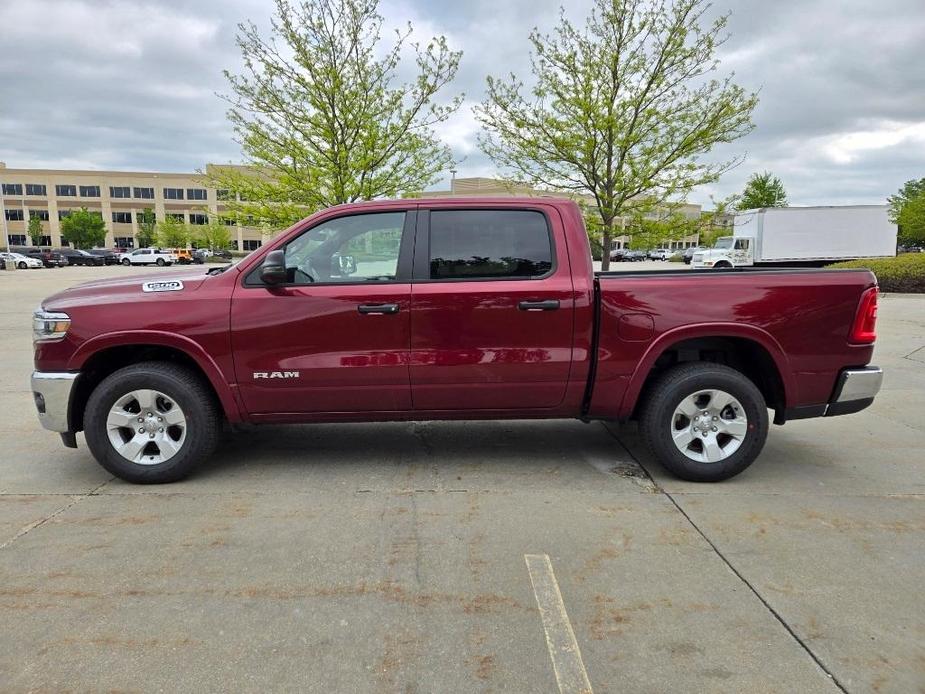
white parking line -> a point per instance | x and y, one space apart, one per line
560 639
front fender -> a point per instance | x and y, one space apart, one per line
190 348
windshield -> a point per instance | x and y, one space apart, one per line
725 242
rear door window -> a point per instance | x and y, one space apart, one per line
489 244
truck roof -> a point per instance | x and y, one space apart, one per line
463 200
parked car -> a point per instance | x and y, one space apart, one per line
431 327
185 256
634 256
48 257
148 256
688 254
616 255
200 255
109 257
74 256
21 261
659 254
222 253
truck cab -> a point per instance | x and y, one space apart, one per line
727 252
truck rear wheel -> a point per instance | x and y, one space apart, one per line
151 422
704 422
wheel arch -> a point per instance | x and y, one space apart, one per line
750 350
105 354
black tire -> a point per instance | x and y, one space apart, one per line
126 262
186 388
681 381
22 265
161 262
722 264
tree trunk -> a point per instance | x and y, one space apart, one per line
605 242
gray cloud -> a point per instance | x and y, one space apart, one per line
131 84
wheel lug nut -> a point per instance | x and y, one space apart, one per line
141 419
715 418
704 434
714 429
161 430
141 430
705 413
161 419
151 414
151 435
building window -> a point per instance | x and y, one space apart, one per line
14 215
120 192
12 188
140 217
176 215
144 193
224 194
40 214
173 193
36 189
89 191
122 217
230 221
251 245
45 241
124 241
63 213
17 239
234 245
65 242
198 218
196 194
66 191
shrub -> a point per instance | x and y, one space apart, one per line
676 258
904 273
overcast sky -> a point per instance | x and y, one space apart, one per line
131 84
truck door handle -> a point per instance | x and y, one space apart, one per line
546 305
378 309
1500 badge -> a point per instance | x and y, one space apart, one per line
162 286
276 374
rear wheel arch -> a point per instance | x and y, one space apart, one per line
762 363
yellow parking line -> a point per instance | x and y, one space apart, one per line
560 639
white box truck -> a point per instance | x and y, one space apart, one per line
802 235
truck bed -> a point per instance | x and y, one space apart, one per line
797 318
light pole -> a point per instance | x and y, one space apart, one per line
6 230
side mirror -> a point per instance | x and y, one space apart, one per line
273 269
343 265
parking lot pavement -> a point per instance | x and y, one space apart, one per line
391 557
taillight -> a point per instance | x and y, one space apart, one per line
864 330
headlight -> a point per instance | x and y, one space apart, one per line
48 326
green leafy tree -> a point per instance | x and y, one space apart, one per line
320 118
147 226
762 190
214 235
621 109
172 233
84 229
907 209
35 230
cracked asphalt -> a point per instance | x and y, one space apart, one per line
391 557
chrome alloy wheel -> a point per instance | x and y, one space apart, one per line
709 426
146 427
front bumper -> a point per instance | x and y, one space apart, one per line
52 391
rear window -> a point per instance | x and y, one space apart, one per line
486 244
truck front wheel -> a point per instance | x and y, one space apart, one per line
152 422
704 422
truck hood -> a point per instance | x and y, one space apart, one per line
160 284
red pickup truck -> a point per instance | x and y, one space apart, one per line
449 309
